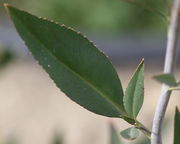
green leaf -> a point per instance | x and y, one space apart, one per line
114 138
167 79
77 67
130 133
177 127
134 93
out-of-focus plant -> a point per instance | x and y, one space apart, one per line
101 15
114 136
57 139
6 56
177 126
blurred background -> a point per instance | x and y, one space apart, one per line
34 111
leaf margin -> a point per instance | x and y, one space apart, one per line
8 8
132 112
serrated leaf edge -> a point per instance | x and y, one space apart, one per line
137 69
117 106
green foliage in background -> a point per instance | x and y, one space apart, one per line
100 15
57 139
114 136
6 56
177 126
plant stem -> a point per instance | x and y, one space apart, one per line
174 88
169 67
138 125
143 129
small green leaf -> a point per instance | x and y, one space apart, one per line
177 127
77 67
130 133
167 79
114 138
134 93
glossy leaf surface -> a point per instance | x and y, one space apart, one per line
77 67
134 93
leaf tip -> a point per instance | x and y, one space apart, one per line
142 62
6 5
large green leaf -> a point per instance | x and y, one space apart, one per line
134 93
167 79
177 127
77 67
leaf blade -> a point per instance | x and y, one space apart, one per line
134 94
168 79
77 67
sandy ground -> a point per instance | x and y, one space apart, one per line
33 109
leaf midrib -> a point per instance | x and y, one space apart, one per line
134 95
117 106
